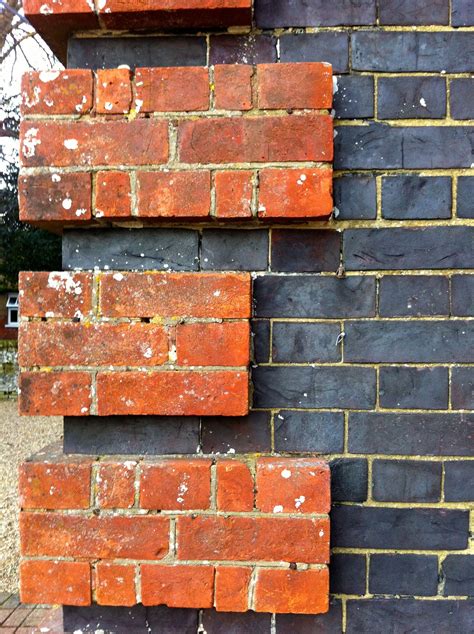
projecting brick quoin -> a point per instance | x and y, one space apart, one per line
217 519
94 353
225 142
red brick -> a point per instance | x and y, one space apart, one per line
113 197
178 586
253 538
174 89
116 484
232 86
293 485
235 487
213 344
292 591
213 393
55 197
256 139
56 92
54 393
295 193
92 143
200 295
92 344
115 584
103 537
174 194
232 589
176 485
52 582
234 191
113 91
56 294
55 485
300 85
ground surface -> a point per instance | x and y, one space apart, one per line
28 619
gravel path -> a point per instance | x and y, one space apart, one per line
19 438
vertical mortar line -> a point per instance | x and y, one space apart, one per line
345 448
450 378
172 141
447 88
199 447
214 484
173 538
138 583
378 190
134 192
255 193
269 254
199 255
208 49
270 342
443 478
136 484
93 478
344 615
273 624
454 194
212 88
376 97
367 573
272 434
251 591
213 210
369 478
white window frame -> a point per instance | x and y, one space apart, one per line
12 305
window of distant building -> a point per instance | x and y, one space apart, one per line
12 311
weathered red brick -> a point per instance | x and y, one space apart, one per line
56 92
174 194
50 485
232 86
235 487
234 194
200 295
103 537
218 344
298 85
176 485
113 91
253 538
56 294
232 588
185 393
53 582
178 586
113 197
177 89
292 591
293 485
54 393
115 584
116 484
256 139
295 193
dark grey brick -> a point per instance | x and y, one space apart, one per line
234 250
130 249
319 432
110 52
349 480
465 197
242 434
416 197
409 615
404 249
462 295
411 98
314 387
242 49
411 12
413 388
234 623
329 623
317 47
406 481
354 97
459 480
458 573
271 14
462 98
305 342
412 51
462 13
403 575
261 340
462 388
355 198
302 251
411 434
348 574
400 528
413 296
373 146
314 296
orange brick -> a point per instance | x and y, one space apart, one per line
177 586
113 198
295 193
51 485
54 393
176 485
52 582
113 91
116 484
232 86
56 92
55 197
213 344
58 294
115 584
235 487
232 588
211 393
174 194
298 85
292 591
293 485
173 89
234 192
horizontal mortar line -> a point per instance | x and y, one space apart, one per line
170 167
128 369
462 506
404 73
349 550
395 171
413 124
103 320
202 513
368 596
377 319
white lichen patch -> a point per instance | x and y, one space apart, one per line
81 212
30 141
299 501
48 75
45 10
286 473
108 105
278 508
118 277
71 144
67 203
56 178
64 281
29 103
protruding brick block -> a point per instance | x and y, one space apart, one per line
51 485
235 486
113 94
113 195
174 194
56 92
232 86
55 393
206 344
300 85
174 89
177 586
292 591
115 584
52 582
176 484
234 192
115 484
57 294
232 589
